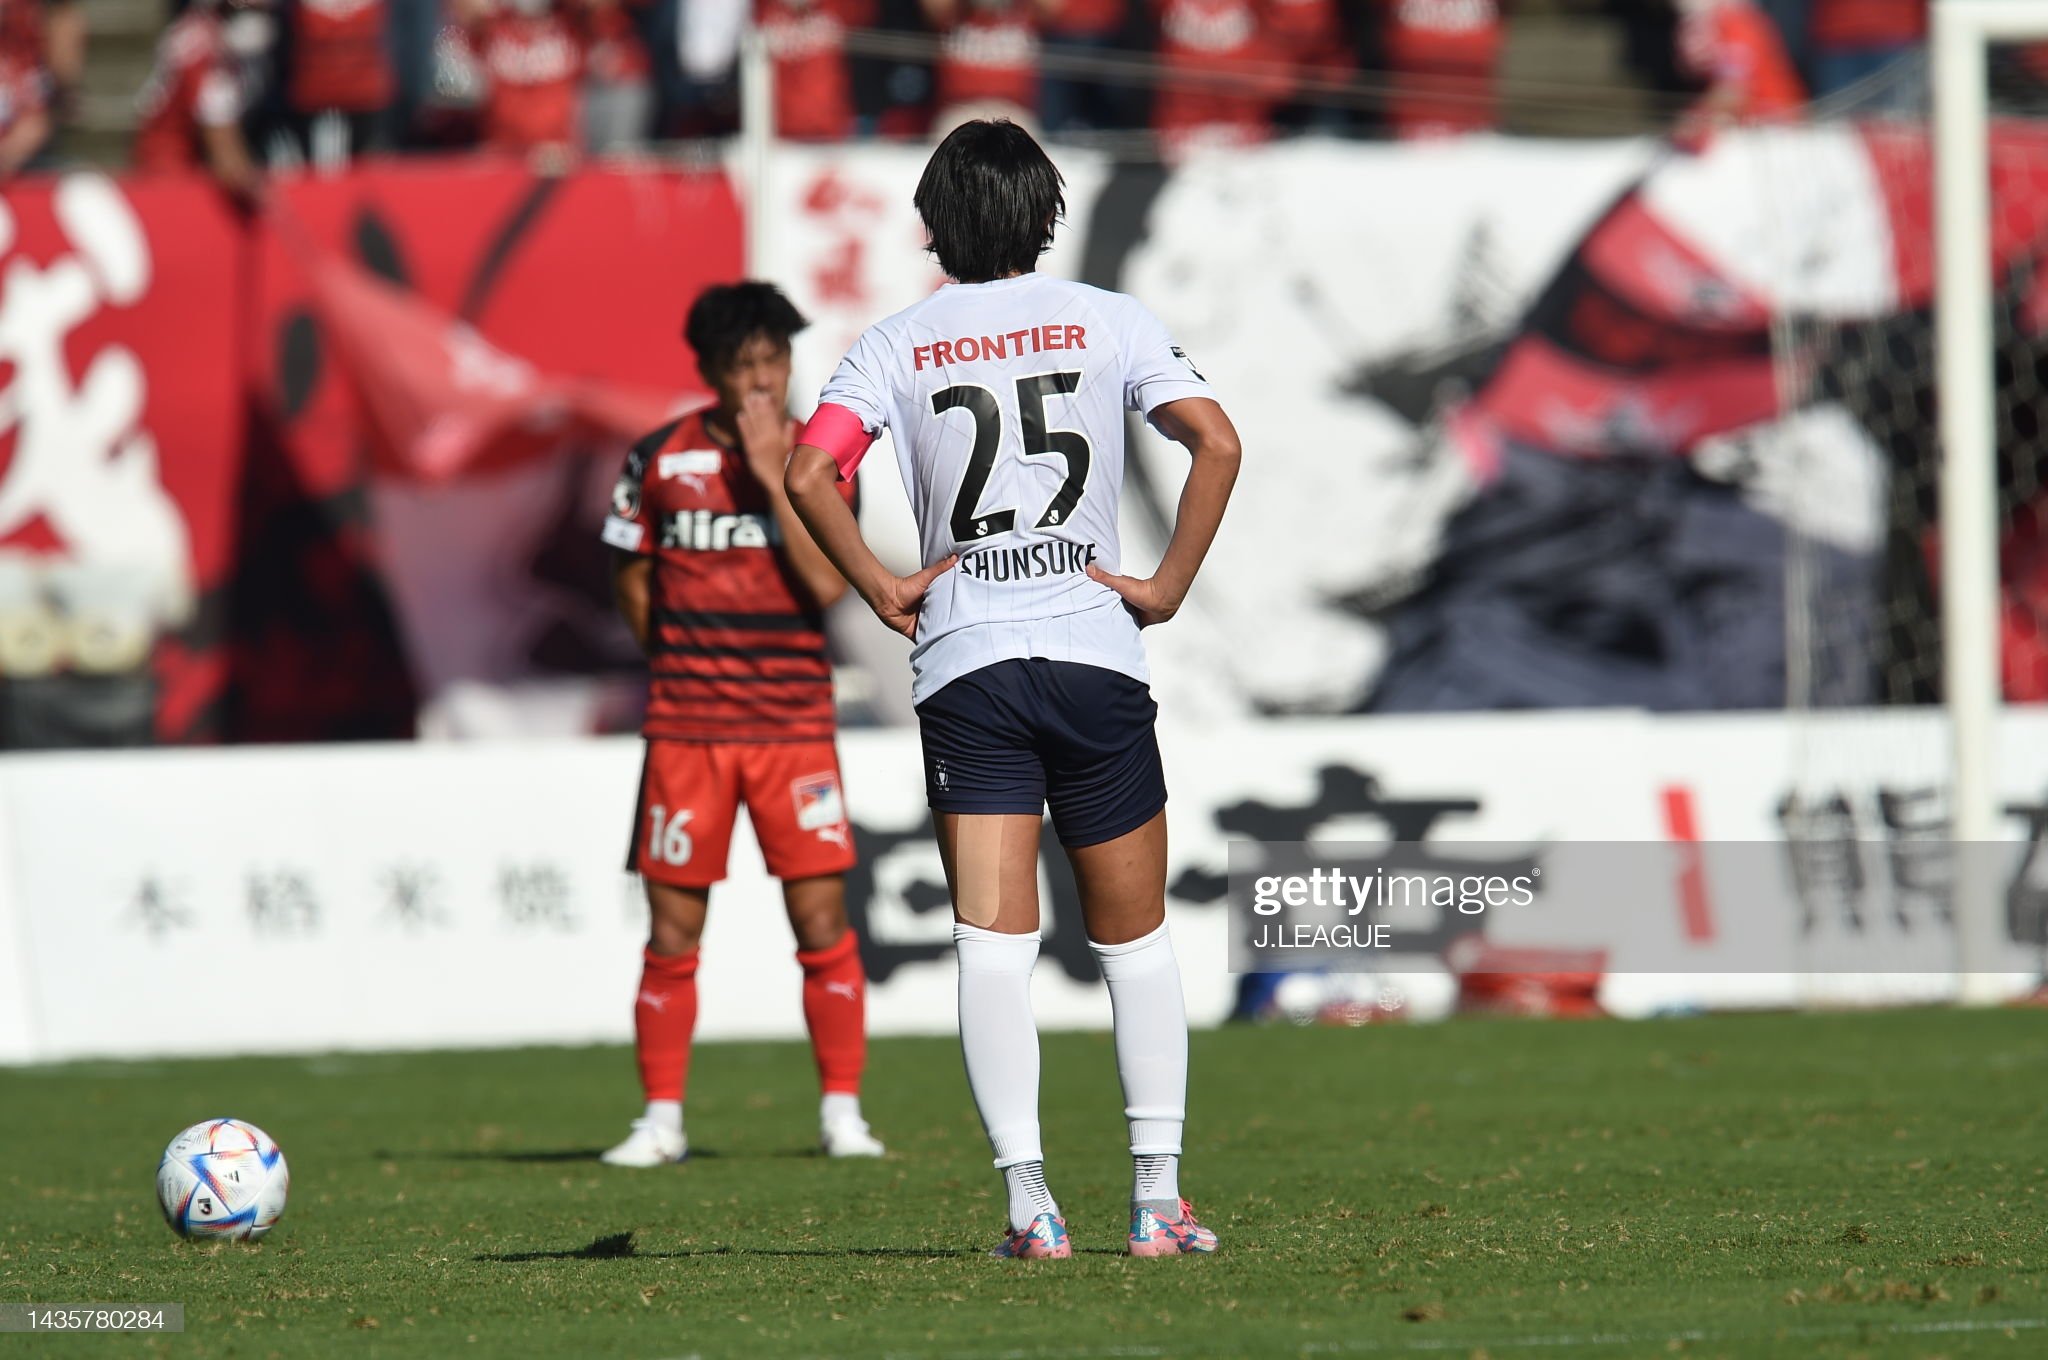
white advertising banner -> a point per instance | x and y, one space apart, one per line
368 897
19 1038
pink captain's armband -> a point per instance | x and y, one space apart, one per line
838 432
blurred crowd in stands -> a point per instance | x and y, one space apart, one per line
241 85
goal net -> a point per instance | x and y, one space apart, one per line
1872 650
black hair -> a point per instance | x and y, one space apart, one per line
989 197
726 316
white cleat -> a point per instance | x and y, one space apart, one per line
649 1145
849 1138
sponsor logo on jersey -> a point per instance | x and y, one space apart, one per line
1033 560
623 533
1004 345
690 464
626 490
709 531
1182 355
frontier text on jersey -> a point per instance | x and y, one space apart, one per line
1009 344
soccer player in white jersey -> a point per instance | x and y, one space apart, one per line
1005 391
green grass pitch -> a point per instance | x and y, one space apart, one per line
1823 1185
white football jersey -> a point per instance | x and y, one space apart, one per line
1006 400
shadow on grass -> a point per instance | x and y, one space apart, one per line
532 1155
619 1247
547 1155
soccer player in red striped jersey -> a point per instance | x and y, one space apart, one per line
726 592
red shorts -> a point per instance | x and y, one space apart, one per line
691 791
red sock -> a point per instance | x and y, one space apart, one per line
835 1008
664 1015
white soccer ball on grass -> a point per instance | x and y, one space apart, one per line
224 1179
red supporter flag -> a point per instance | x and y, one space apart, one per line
444 402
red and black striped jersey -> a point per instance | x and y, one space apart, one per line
736 647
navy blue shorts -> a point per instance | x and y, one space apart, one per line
1020 736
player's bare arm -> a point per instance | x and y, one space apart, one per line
227 156
22 141
763 426
64 42
1201 425
812 485
630 577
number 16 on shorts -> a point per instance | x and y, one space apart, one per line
691 792
668 837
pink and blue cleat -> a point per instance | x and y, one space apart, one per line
1152 1235
1043 1239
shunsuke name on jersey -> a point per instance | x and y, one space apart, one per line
1027 562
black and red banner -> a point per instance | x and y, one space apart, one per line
201 409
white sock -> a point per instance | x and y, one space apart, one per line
1155 1181
999 1042
1028 1194
835 1106
1151 1057
665 1114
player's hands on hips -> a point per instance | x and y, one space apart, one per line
898 599
764 436
1148 600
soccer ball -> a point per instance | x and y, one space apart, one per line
223 1179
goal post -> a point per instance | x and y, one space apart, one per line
1963 34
